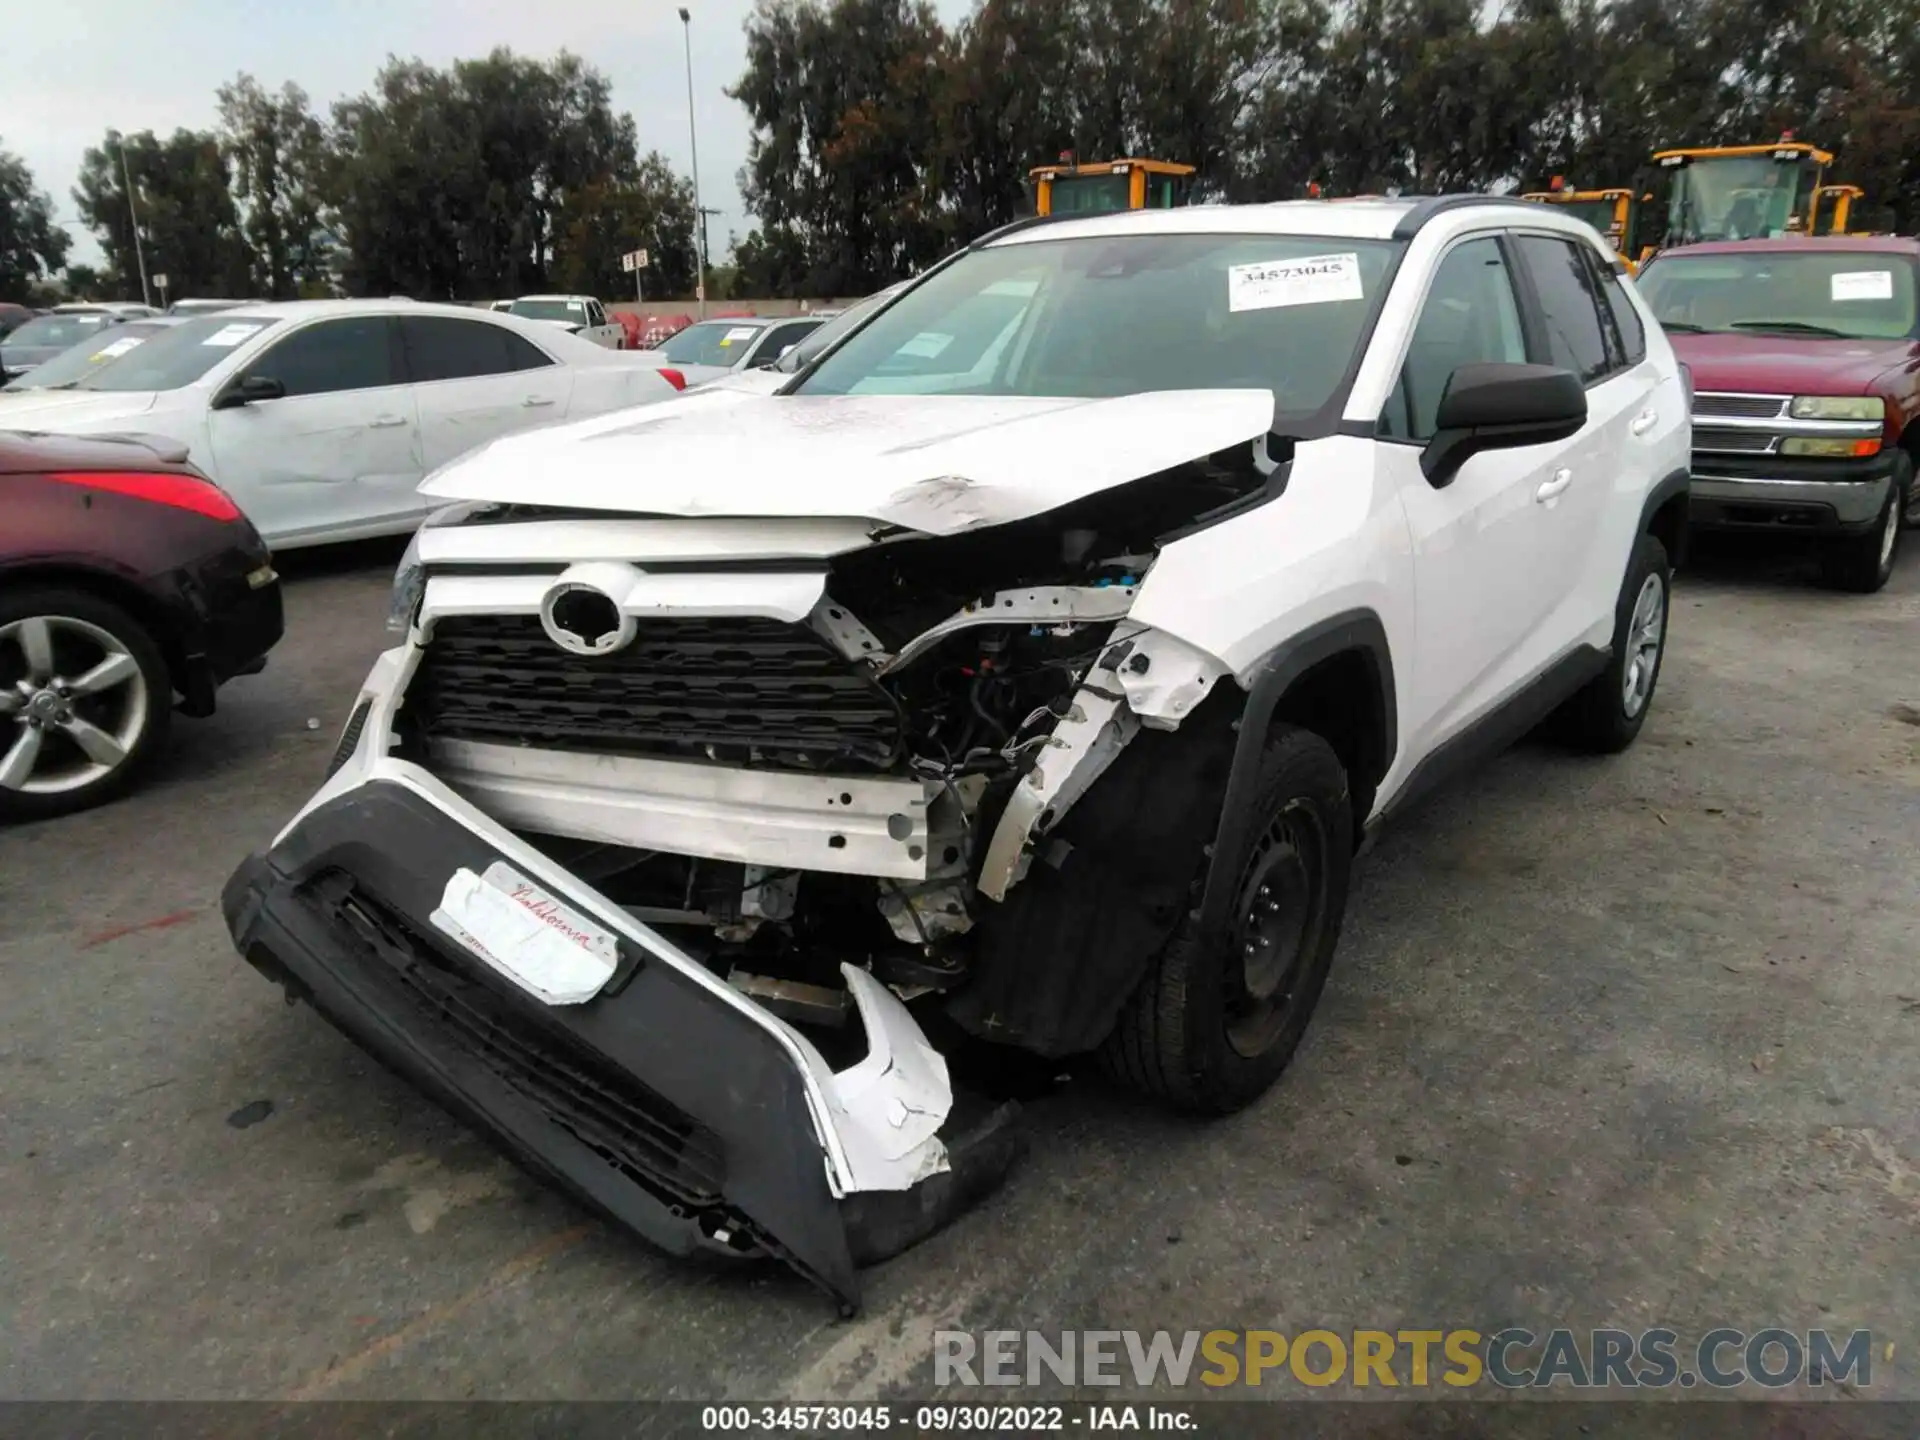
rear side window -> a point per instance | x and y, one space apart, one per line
353 353
1626 319
440 347
1570 306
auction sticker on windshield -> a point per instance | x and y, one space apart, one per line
1314 280
231 335
1863 285
118 347
536 940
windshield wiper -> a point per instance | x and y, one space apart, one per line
1685 326
1795 326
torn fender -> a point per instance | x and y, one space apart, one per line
939 464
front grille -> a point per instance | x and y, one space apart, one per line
1707 405
636 1131
743 690
1734 442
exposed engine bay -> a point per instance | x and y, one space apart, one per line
986 679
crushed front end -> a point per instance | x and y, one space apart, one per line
665 868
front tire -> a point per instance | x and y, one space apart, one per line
85 702
1605 716
1864 563
1219 1015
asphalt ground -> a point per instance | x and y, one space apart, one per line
1626 1042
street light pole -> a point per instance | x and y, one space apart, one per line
693 140
133 213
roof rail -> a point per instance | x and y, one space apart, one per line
1026 222
1425 207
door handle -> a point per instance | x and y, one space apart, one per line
1561 479
1645 421
534 402
386 422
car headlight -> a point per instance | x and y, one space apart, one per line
409 584
410 577
1812 445
1838 407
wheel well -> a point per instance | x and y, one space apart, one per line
1668 525
124 593
1342 701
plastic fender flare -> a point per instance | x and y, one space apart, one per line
1358 630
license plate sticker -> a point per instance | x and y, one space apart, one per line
536 940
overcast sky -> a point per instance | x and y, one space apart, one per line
74 70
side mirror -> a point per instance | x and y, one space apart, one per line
1501 407
248 389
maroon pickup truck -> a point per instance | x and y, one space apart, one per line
1805 356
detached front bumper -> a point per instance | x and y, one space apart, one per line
1821 497
668 1102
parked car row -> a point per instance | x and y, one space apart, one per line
321 418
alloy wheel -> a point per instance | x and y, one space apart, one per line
1646 632
73 704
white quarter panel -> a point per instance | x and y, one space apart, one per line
1335 540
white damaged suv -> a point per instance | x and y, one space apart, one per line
1024 673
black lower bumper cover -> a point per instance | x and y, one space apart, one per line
661 1107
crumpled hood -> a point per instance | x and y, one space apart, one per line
66 409
1757 363
936 464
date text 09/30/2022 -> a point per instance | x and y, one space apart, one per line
926 1418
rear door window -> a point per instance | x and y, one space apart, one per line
1571 308
440 347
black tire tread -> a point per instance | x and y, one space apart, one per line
1152 1049
1853 564
1593 719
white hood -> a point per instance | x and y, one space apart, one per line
59 410
937 464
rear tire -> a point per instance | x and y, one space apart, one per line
86 701
1218 1016
1864 563
1604 717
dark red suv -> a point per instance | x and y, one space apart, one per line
1805 354
127 579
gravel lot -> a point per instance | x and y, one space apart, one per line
1628 1042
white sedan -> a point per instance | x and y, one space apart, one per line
322 417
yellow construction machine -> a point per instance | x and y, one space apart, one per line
1070 188
1614 212
1743 192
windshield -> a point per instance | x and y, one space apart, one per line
1846 294
102 347
713 342
571 311
1123 315
828 335
1091 194
57 332
1740 197
179 357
